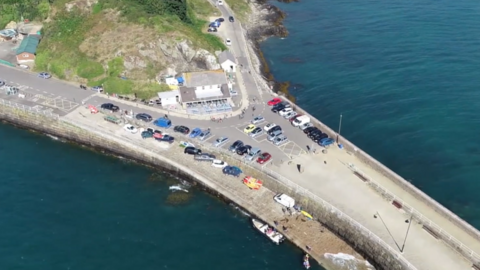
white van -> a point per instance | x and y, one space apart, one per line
301 120
284 200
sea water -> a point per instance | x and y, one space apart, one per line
404 75
67 207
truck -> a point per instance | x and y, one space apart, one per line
301 120
163 122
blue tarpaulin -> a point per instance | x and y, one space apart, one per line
180 80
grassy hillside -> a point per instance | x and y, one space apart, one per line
90 44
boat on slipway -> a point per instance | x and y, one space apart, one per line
270 232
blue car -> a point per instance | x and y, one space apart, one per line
195 132
232 170
326 142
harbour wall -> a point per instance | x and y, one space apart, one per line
377 252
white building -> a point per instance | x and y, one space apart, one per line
227 61
169 98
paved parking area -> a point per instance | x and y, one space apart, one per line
7 51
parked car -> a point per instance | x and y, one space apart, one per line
232 170
253 153
284 200
280 139
269 126
144 117
235 146
220 20
97 88
163 122
274 101
130 128
326 142
291 119
195 132
220 141
181 129
165 138
314 134
192 150
256 132
186 144
309 130
146 134
44 75
320 137
2 83
280 106
290 115
274 129
212 29
257 120
243 150
228 42
231 19
305 126
204 135
110 107
204 157
274 134
264 158
219 163
285 111
249 128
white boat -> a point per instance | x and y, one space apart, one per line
270 232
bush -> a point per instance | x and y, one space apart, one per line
115 67
89 69
118 86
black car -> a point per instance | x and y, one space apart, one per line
243 150
278 107
110 107
220 20
192 150
181 129
309 129
204 157
235 146
144 117
231 19
166 138
320 137
314 133
272 130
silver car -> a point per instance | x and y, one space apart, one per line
279 140
257 120
306 125
274 134
256 132
220 141
254 152
290 115
204 135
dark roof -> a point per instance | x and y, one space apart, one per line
29 45
188 94
224 56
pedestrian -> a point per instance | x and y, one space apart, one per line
308 148
283 210
308 248
275 222
325 162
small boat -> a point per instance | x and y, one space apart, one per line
270 232
306 262
307 214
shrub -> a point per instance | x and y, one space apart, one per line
89 69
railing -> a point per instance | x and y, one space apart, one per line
29 109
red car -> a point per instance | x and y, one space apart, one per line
264 158
274 101
295 117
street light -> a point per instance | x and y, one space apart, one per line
409 221
339 127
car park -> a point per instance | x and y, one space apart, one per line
144 117
181 129
231 19
243 150
267 127
219 163
326 142
249 128
253 153
235 146
256 132
284 200
285 111
204 135
228 42
192 150
290 115
204 157
195 132
232 170
257 120
130 128
264 158
109 107
274 101
44 75
220 141
305 126
280 139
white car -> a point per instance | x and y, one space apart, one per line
280 139
269 126
306 125
285 111
257 120
290 115
130 128
186 144
219 163
228 42
220 2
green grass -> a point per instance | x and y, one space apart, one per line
89 69
240 8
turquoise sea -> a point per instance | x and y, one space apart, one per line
405 75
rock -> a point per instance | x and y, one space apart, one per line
11 25
186 51
210 61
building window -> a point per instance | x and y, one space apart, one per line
25 55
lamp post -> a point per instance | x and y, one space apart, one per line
409 221
339 127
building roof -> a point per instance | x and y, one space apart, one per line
224 56
29 45
8 33
203 78
189 94
168 94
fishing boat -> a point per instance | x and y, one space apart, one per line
270 232
306 261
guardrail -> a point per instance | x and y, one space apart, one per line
29 109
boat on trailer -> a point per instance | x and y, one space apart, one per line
270 232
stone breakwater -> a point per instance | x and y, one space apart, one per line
100 135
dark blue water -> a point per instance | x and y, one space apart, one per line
405 76
65 207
